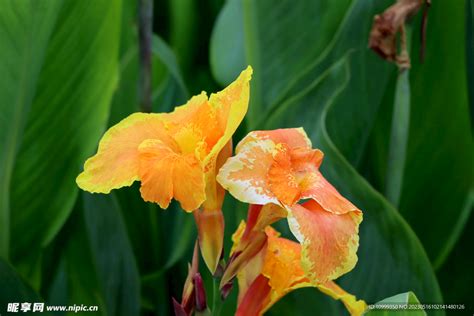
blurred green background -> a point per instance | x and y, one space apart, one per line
399 147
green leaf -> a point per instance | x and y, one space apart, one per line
25 30
398 138
77 278
112 254
67 117
169 89
470 56
96 265
270 45
404 299
13 289
227 55
184 17
458 267
439 171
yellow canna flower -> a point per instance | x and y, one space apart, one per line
175 155
278 169
275 271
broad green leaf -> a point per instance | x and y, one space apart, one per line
455 275
470 56
398 138
394 305
25 29
227 55
67 117
280 41
184 17
14 289
77 275
112 254
439 171
96 265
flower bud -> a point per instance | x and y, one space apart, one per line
200 293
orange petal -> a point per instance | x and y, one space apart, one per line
316 187
165 174
282 179
283 271
210 226
215 193
247 270
276 267
329 240
250 238
269 214
275 272
116 163
263 170
243 253
245 174
293 137
283 264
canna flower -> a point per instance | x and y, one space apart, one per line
175 155
275 271
278 169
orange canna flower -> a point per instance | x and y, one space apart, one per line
278 169
175 155
275 271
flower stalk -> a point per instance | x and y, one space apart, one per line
145 31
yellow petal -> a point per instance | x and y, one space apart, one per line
270 275
354 306
116 163
231 105
165 174
282 264
329 240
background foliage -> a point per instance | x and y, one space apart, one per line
69 69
